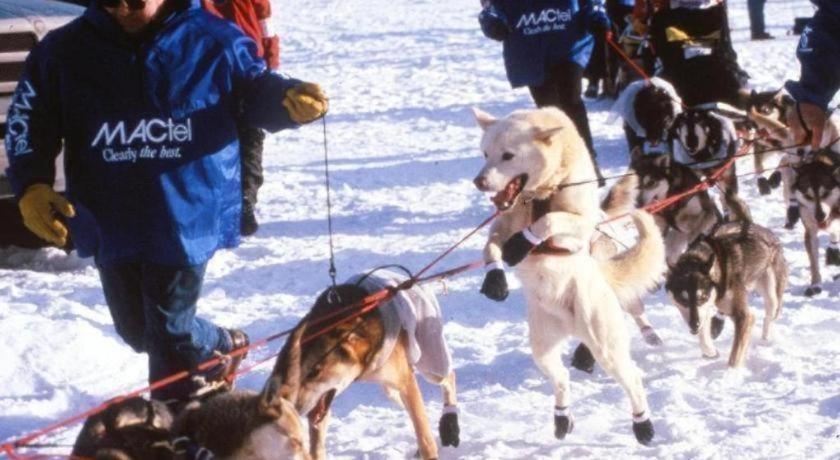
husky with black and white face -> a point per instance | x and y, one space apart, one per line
717 274
817 190
681 223
543 181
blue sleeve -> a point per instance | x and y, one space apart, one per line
819 56
261 90
595 15
33 124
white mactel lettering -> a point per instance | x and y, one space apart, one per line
154 131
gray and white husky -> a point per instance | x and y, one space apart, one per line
718 272
817 190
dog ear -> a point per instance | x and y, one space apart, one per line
544 135
284 382
483 118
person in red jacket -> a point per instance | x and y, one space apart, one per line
252 16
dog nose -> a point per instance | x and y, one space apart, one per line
819 213
480 183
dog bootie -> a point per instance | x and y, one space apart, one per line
563 422
248 224
832 255
643 428
583 359
792 217
718 322
775 179
763 186
448 427
812 290
495 285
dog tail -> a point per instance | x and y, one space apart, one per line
622 196
637 271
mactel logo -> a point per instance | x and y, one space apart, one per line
152 131
545 17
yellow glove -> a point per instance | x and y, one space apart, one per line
38 206
306 102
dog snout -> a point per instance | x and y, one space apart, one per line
481 183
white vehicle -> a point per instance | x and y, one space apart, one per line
23 23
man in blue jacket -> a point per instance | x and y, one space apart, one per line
819 55
547 44
144 95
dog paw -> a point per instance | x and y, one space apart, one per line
812 290
832 256
717 326
713 355
775 179
495 285
651 338
643 429
564 423
763 186
449 430
792 217
583 359
516 248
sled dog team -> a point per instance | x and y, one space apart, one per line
575 278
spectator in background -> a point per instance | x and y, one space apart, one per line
252 16
145 97
547 44
603 63
691 39
819 55
756 10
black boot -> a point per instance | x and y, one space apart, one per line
248 225
449 430
717 326
583 359
563 423
763 186
832 256
792 217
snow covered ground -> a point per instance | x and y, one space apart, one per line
402 76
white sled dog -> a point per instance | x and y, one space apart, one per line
533 160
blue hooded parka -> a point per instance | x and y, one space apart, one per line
148 126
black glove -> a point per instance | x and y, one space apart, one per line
495 285
493 23
516 248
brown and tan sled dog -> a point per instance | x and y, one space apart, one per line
367 348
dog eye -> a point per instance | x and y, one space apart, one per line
485 154
314 372
507 156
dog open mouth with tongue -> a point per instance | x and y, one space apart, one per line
505 198
321 407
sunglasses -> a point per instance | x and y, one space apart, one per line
132 4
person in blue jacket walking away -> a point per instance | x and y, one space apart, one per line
145 96
546 46
819 56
